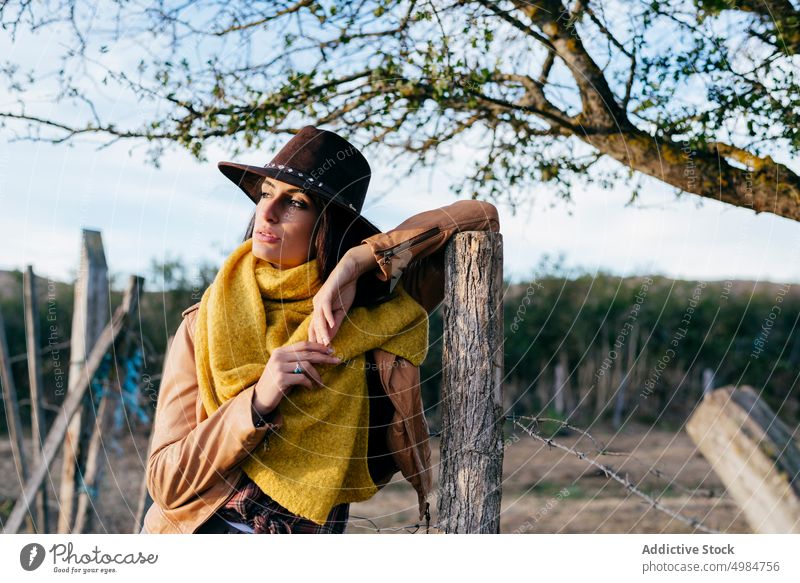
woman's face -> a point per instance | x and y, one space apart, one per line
285 219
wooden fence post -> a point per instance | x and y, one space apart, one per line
471 446
101 439
754 454
89 316
71 405
13 419
38 429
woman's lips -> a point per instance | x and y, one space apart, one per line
265 238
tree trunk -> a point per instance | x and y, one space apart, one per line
628 377
602 376
559 384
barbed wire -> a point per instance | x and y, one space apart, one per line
602 449
408 528
533 430
607 470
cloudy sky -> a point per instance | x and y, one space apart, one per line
186 209
190 210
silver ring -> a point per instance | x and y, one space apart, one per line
297 369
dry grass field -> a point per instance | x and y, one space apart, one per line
544 490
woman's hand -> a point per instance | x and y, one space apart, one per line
336 295
279 376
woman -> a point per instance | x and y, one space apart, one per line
292 388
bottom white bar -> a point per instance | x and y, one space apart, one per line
401 557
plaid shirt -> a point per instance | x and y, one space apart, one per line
250 505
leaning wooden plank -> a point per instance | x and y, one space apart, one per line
101 435
13 420
754 454
89 316
73 402
38 430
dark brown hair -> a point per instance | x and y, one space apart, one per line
335 232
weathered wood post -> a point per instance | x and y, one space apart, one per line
754 454
471 468
13 419
38 429
100 442
71 405
89 316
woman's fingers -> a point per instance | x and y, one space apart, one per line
321 322
304 354
331 303
299 380
311 372
308 375
327 312
316 333
304 345
292 379
315 329
319 333
338 318
325 323
312 357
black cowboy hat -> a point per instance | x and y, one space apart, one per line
315 160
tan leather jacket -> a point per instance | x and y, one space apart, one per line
194 460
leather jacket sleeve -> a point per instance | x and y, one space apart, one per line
186 456
414 250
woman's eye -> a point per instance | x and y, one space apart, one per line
297 203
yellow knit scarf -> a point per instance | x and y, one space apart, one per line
318 458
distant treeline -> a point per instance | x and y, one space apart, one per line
600 348
589 348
